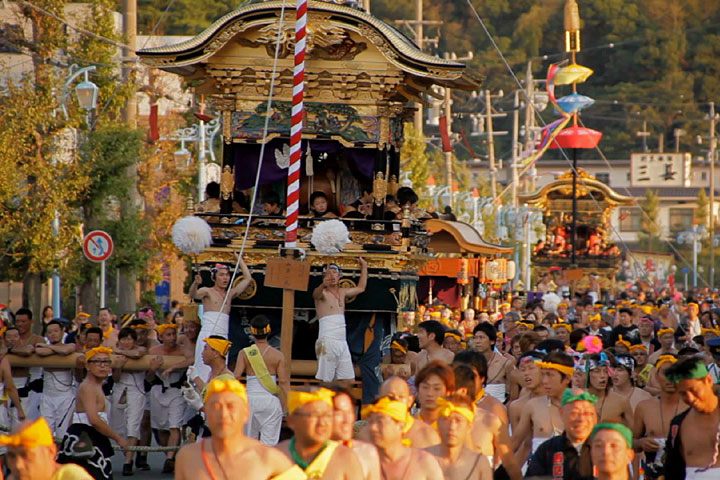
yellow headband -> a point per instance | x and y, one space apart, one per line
620 340
566 326
563 304
597 316
663 331
140 326
664 359
503 305
37 434
715 331
457 337
527 325
298 399
161 328
395 345
394 409
82 315
447 408
2 331
219 386
638 347
220 345
569 371
95 351
264 331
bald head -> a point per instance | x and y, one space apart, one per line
397 388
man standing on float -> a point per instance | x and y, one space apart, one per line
214 320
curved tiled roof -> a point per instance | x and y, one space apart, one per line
410 58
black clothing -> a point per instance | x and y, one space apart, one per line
558 459
631 334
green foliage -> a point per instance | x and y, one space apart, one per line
414 158
702 205
650 235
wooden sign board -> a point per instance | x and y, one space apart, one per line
287 274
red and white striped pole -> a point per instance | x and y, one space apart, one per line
296 127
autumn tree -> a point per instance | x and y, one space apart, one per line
650 231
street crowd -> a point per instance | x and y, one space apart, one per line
600 385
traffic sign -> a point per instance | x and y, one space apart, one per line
97 246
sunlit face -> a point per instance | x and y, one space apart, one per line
610 453
667 340
192 330
344 419
423 338
31 463
453 429
430 390
553 382
312 423
222 278
54 333
126 343
530 373
169 337
12 338
226 414
208 354
697 393
562 311
515 350
320 205
482 341
331 277
599 378
451 344
398 389
99 365
665 385
104 319
384 431
23 323
579 419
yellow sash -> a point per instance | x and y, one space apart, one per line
261 371
315 470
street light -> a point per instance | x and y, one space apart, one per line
204 134
693 236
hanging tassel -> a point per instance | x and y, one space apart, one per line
309 169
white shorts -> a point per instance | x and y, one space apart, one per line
334 362
691 473
497 391
126 411
213 323
57 409
167 409
265 418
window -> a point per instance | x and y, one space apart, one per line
603 178
681 219
630 220
703 176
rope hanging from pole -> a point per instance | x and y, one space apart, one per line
296 127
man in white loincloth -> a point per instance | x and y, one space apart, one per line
331 348
215 321
58 395
268 382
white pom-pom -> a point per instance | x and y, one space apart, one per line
192 235
550 302
330 236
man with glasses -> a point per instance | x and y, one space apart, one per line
87 441
314 454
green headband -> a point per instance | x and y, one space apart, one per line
699 371
618 427
568 397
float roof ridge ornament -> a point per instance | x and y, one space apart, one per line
396 48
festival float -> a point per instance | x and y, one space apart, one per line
344 90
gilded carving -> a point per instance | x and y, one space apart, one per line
227 182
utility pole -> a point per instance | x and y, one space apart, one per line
491 139
711 159
644 134
448 155
661 142
129 206
515 154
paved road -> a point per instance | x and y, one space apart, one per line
155 460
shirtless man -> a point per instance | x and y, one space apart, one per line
652 420
228 452
622 380
397 362
310 418
27 380
110 333
532 388
144 341
454 425
611 449
128 394
435 380
569 450
343 427
189 338
610 405
499 366
167 407
541 417
331 348
487 402
90 420
419 434
691 450
431 335
216 322
268 383
58 393
666 337
488 435
386 422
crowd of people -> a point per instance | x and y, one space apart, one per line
582 388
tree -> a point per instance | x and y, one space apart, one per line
651 231
702 205
414 158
